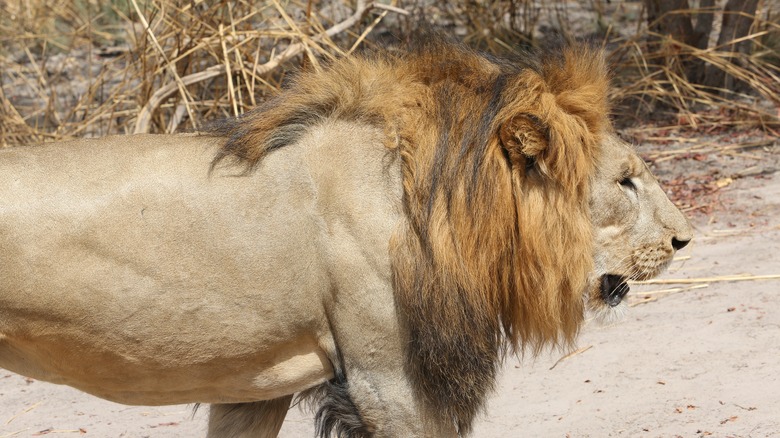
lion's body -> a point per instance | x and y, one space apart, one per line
147 290
388 229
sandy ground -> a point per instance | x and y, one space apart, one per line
692 363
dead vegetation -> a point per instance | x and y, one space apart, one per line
98 67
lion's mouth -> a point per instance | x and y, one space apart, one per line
613 289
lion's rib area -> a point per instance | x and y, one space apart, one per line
496 157
129 273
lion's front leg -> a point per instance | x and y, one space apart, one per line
376 405
248 420
371 395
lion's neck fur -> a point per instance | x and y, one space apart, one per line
496 158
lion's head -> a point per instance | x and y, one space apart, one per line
520 203
636 228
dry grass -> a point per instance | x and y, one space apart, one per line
156 66
651 77
98 67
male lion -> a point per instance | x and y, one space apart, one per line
374 239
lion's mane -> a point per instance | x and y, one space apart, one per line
496 158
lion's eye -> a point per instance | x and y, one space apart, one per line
628 183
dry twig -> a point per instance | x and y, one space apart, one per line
724 278
570 355
144 116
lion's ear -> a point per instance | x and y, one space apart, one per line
557 144
556 117
524 137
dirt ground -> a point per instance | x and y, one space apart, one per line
691 359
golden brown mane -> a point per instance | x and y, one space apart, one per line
496 160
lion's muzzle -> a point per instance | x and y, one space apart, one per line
613 289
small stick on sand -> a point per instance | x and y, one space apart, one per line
710 279
572 354
14 433
23 412
647 297
672 290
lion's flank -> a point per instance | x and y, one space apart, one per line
496 158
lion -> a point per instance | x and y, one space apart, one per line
373 240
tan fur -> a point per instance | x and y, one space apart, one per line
399 222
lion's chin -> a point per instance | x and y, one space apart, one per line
613 288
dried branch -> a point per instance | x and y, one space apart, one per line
143 121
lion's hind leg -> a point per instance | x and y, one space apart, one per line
261 419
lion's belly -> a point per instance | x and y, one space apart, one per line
123 378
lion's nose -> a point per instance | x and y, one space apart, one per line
679 244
